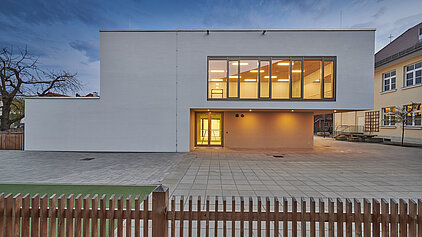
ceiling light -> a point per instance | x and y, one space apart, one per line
216 79
234 76
285 80
249 80
250 110
217 87
293 110
217 70
283 64
296 70
335 111
256 71
271 77
317 80
217 84
241 64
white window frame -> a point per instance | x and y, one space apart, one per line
390 122
413 115
413 73
387 79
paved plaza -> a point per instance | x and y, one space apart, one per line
331 169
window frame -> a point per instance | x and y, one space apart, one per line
413 116
389 78
390 122
270 59
413 71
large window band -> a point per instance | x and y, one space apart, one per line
271 78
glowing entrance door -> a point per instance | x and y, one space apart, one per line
209 127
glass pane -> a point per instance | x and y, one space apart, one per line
216 119
249 79
280 79
393 73
409 68
312 72
265 79
328 79
202 129
233 78
217 83
296 79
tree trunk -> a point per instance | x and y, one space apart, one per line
402 134
5 119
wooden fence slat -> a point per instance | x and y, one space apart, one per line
366 218
348 217
412 218
321 218
78 215
259 217
129 216
69 216
267 217
330 217
385 220
173 219
111 207
394 207
250 223
375 218
242 217
190 217
285 211
145 217
2 214
120 216
403 218
17 215
339 217
303 221
207 222
216 216
312 217
94 217
61 214
419 217
198 221
276 217
85 215
182 215
8 215
233 217
44 215
52 215
26 214
294 217
137 216
35 213
358 220
103 217
224 217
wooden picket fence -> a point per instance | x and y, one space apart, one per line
11 140
77 216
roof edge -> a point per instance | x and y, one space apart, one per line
236 30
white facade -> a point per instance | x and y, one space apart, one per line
150 81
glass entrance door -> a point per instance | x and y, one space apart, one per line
209 129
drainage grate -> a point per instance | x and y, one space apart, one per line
88 158
278 156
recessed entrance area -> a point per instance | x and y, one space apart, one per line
209 128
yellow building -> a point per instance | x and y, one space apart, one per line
397 84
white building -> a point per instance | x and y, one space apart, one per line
174 90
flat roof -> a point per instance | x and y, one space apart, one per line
237 30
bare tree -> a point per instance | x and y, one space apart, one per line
402 118
21 76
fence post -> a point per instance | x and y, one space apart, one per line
160 203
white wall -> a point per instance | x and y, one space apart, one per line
140 103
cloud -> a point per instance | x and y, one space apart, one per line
88 48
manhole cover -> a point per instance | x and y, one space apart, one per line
88 158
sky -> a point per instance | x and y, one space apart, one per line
64 34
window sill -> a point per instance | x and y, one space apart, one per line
409 87
386 92
413 127
388 127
